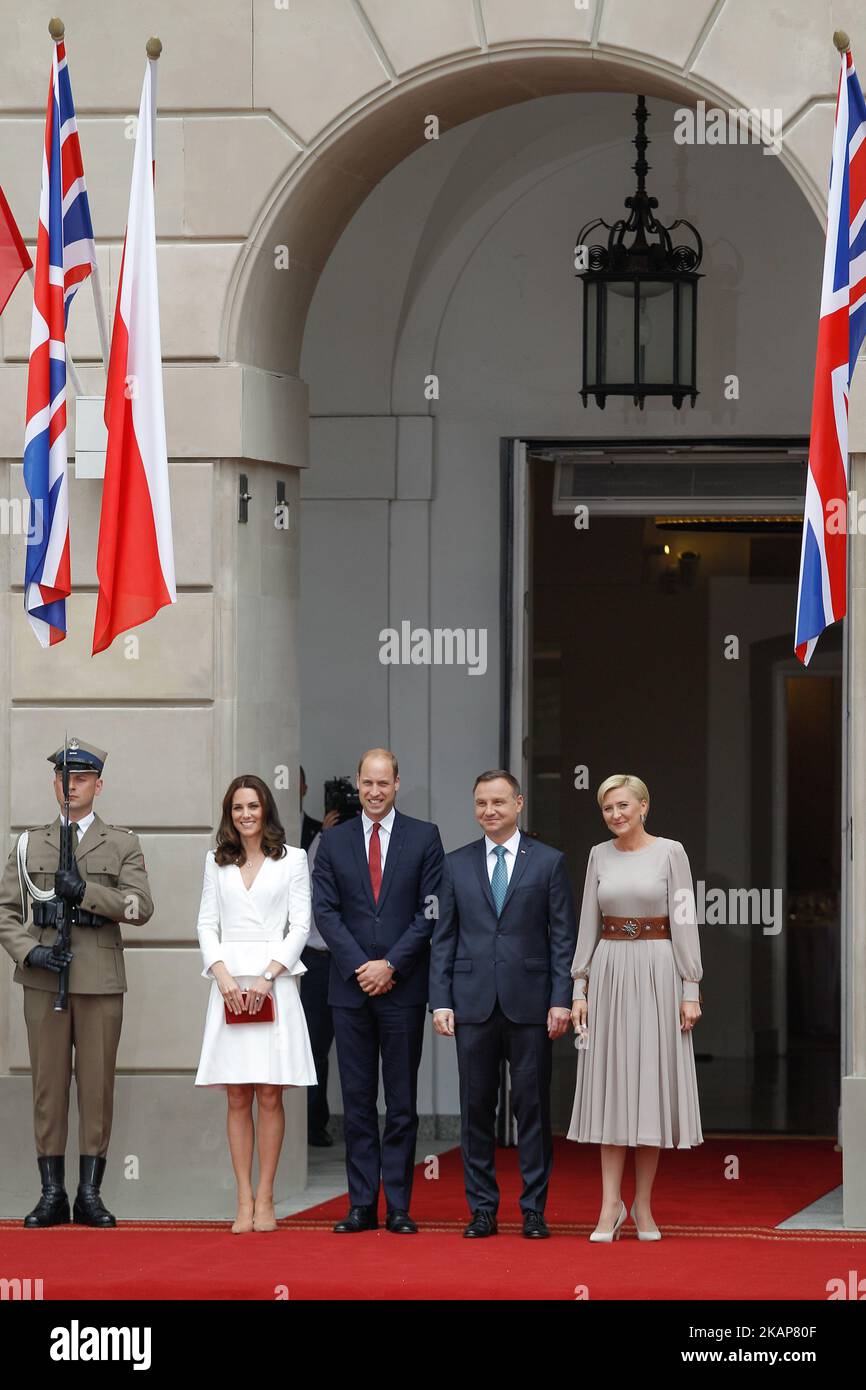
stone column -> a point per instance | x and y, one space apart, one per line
205 690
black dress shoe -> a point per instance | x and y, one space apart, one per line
52 1209
88 1209
534 1226
483 1223
359 1219
401 1223
320 1139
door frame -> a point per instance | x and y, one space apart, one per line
515 634
828 665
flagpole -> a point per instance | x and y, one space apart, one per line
57 30
101 317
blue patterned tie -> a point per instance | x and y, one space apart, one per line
499 881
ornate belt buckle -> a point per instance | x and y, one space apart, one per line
631 928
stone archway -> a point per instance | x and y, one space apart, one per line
306 213
339 166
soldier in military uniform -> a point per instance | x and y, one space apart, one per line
107 885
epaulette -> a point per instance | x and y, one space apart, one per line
124 828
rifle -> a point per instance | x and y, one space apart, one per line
67 913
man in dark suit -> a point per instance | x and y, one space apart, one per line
314 990
310 827
375 887
500 982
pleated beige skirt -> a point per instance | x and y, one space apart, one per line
636 1081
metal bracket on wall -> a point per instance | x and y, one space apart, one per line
243 498
282 512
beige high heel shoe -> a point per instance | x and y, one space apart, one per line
241 1225
607 1236
643 1235
264 1223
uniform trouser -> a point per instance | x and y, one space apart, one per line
90 1026
380 1027
320 1026
480 1050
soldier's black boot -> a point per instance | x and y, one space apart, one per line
52 1209
88 1209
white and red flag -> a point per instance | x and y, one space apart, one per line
14 256
135 555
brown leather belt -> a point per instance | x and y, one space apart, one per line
636 928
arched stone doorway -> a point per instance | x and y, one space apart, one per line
266 319
315 101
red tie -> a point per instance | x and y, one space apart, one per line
375 861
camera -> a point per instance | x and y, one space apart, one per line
341 796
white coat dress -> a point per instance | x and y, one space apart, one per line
246 929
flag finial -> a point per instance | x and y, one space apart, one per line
154 48
842 41
56 29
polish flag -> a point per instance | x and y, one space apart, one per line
135 555
14 256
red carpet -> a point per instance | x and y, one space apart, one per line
719 1242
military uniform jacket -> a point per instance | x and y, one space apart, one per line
111 863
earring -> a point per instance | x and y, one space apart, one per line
643 820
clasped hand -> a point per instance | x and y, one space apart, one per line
234 995
375 977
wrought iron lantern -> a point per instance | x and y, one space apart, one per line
640 299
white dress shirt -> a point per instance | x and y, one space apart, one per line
386 825
511 848
83 825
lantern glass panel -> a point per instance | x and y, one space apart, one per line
687 316
590 366
617 363
655 332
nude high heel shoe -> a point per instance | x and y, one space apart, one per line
643 1235
241 1225
261 1223
608 1236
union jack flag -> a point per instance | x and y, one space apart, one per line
822 595
65 256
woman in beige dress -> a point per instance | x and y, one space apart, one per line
639 954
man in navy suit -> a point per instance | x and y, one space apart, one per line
500 982
375 889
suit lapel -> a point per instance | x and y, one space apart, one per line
360 851
520 863
481 868
95 833
395 846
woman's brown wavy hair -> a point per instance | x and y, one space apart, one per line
229 849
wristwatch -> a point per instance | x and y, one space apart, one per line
269 976
391 967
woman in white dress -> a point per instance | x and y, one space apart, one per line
638 949
253 923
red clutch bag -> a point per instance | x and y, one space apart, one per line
265 1014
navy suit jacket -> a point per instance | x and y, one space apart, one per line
522 958
398 927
